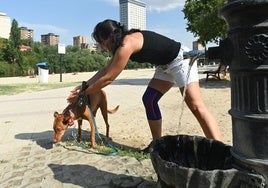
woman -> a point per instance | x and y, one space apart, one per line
166 54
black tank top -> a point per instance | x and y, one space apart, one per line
157 49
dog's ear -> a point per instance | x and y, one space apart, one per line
56 114
67 119
67 113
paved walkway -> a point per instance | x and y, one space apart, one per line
28 158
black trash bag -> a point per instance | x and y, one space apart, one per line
196 162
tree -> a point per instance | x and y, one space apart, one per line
27 42
203 21
3 46
75 59
14 55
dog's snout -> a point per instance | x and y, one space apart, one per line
55 140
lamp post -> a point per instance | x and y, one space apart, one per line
61 50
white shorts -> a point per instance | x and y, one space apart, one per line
176 71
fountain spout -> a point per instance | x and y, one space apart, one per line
223 52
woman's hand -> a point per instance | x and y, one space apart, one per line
74 95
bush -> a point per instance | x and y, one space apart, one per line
8 70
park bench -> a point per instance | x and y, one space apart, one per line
222 69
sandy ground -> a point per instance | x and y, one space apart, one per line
129 125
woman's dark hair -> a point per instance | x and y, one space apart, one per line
111 29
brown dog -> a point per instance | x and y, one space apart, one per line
74 112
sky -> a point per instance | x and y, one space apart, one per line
69 18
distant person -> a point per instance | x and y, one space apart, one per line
167 55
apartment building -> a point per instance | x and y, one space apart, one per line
80 41
50 39
5 25
26 33
197 46
133 14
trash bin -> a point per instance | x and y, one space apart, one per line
183 161
43 72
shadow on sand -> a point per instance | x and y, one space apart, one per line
43 139
83 175
89 176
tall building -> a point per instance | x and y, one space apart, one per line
133 14
5 25
50 39
80 41
26 33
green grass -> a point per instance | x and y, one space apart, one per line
129 153
12 89
139 156
101 149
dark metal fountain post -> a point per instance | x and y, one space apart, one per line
246 51
193 161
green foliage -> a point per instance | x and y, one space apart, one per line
82 60
203 21
138 155
14 62
75 60
7 69
105 150
27 42
135 65
129 153
3 47
14 42
13 54
14 39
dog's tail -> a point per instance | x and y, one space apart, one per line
113 110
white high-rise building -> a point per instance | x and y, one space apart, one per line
133 14
5 25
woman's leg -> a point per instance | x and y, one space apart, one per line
196 104
150 100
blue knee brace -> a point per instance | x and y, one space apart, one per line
150 100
